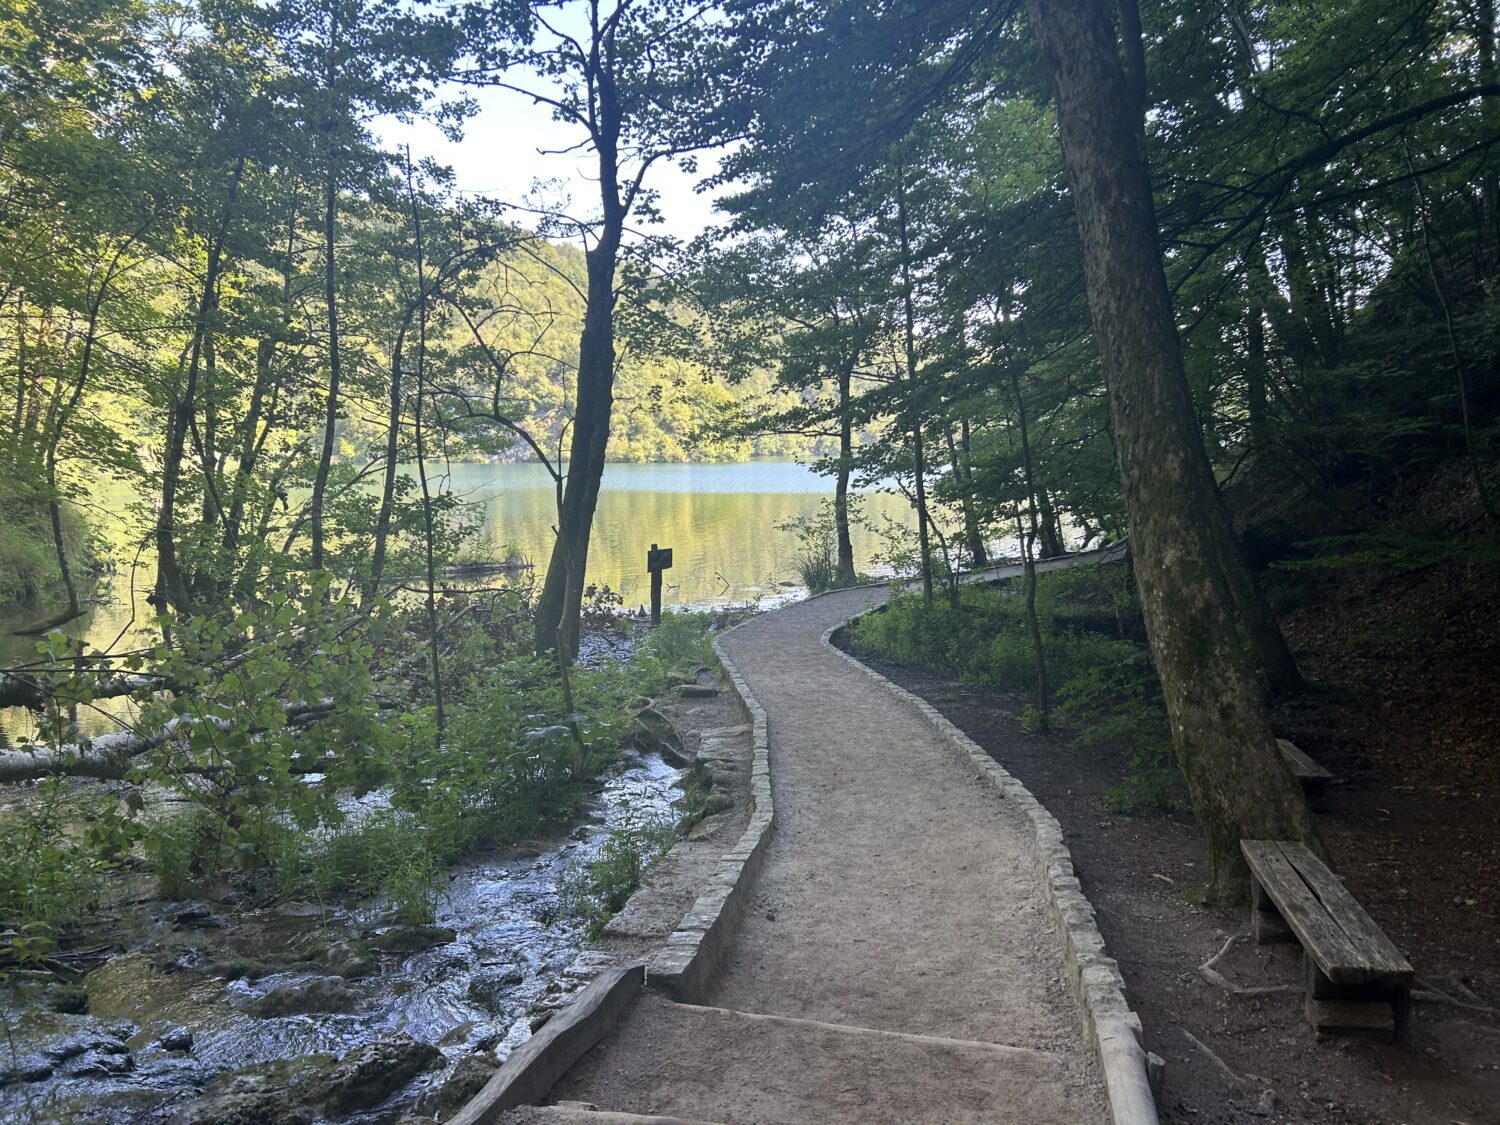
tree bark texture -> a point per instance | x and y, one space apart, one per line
1215 700
557 613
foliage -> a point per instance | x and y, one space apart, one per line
1108 693
55 850
817 548
594 892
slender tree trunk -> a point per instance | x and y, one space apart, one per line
1240 786
972 537
1256 365
331 412
1028 560
924 541
1051 531
978 552
171 587
846 574
19 420
1489 108
557 613
388 487
434 649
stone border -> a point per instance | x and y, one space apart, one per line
684 966
1095 976
533 1068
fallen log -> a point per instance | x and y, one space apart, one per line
109 757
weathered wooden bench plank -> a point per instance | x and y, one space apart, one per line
1357 980
1313 777
1383 962
1300 908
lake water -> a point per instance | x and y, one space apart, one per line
720 520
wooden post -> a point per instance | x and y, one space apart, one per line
658 559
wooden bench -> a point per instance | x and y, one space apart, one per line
1314 778
1357 980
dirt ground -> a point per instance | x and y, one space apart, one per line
1402 849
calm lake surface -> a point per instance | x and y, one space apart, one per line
720 520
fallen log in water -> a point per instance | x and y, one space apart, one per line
110 757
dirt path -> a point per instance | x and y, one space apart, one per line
898 962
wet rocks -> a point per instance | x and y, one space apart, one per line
350 960
296 1092
467 1079
68 999
364 1078
650 730
412 939
315 994
491 988
176 1039
31 1068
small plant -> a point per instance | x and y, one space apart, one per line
596 891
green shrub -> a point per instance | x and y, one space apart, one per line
596 891
1105 688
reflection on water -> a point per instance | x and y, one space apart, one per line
720 520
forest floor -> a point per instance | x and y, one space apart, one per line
1406 670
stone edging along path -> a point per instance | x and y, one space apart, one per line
688 961
682 967
692 953
1114 1029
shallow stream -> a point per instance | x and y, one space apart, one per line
186 1001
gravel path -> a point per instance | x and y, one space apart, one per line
898 937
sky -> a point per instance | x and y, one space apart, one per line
501 156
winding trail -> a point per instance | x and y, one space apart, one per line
898 962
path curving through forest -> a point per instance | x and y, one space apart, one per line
898 961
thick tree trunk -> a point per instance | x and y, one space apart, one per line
1239 784
841 480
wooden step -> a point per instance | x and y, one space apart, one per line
741 1068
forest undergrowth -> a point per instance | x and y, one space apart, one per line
305 762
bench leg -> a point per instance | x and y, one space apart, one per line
1375 1010
1266 923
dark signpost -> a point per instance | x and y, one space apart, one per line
658 559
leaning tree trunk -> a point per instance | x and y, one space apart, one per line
1239 785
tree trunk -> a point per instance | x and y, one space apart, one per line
1489 109
171 587
433 638
557 612
924 541
388 486
331 413
1028 537
1220 730
846 574
977 550
961 480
